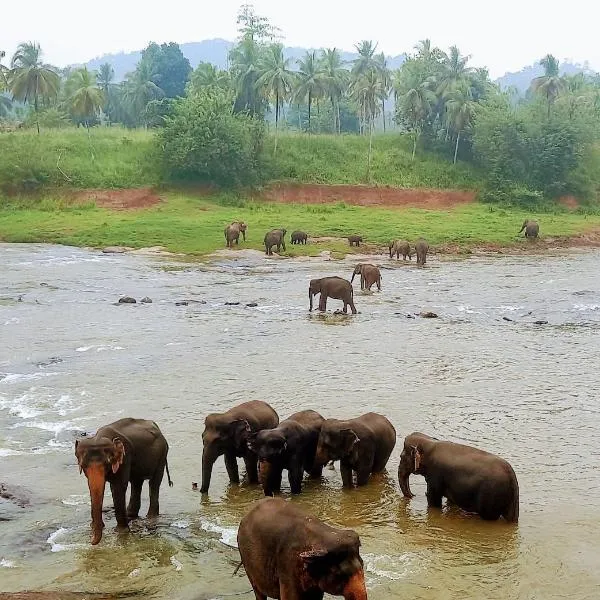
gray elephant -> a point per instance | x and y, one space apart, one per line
227 433
354 240
232 232
276 237
299 237
421 249
369 275
128 450
399 247
532 228
474 480
334 287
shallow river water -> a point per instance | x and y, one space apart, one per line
70 361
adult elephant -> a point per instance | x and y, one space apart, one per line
291 445
399 247
291 555
421 249
369 275
299 237
531 227
473 479
233 231
227 433
362 445
276 237
128 450
331 287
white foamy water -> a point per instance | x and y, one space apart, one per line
178 566
228 534
57 546
19 377
7 564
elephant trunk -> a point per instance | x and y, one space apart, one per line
96 477
310 298
355 589
403 480
265 476
353 274
209 456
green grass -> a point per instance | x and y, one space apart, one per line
194 225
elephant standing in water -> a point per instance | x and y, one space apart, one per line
128 450
276 237
532 228
399 247
474 480
334 287
369 275
227 433
291 555
421 248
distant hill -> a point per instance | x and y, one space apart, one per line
212 51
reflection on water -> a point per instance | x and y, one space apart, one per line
70 361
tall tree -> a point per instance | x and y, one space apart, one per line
385 76
549 85
207 75
31 80
460 108
311 85
366 60
415 105
454 71
3 73
87 98
246 59
105 78
169 68
139 90
335 79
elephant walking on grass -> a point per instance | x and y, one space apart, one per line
369 275
532 228
299 237
421 248
232 232
334 287
399 247
227 433
474 480
276 237
126 451
354 240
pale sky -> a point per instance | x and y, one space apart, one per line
504 36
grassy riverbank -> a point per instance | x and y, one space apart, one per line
192 224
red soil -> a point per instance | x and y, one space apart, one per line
128 199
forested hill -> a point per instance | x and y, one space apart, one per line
522 79
210 51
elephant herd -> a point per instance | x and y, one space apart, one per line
287 553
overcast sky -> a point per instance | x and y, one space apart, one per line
504 36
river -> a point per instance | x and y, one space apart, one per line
71 360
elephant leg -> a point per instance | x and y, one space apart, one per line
283 244
352 307
323 302
434 495
251 463
273 483
346 472
295 472
118 491
135 500
258 595
364 472
232 467
316 472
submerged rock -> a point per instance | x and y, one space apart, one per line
427 314
146 300
508 319
114 250
540 322
252 304
126 300
231 303
182 303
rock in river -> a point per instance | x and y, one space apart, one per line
146 300
126 300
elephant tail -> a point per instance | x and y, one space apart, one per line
168 474
512 511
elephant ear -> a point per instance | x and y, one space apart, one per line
119 454
350 440
78 457
251 439
418 454
240 430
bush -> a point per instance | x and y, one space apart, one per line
204 141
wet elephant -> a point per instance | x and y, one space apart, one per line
126 451
233 231
473 479
369 275
399 247
421 249
334 287
291 445
227 434
362 445
531 228
299 237
276 237
291 555
354 240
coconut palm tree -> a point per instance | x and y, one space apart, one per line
105 79
416 105
366 60
549 85
3 73
454 71
86 98
385 76
140 90
335 81
207 75
245 60
276 80
577 92
460 109
31 80
311 84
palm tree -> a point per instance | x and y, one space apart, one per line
386 82
276 79
454 72
105 80
245 61
31 80
311 85
366 60
576 88
460 109
87 98
335 81
549 85
140 90
3 73
207 75
416 104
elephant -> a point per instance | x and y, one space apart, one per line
291 445
363 445
421 249
291 555
334 287
232 232
532 228
299 237
399 247
276 237
128 450
369 275
227 433
354 240
473 479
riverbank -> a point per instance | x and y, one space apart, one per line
193 223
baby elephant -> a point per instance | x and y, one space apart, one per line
334 287
354 240
532 228
291 555
276 237
363 445
369 275
399 247
291 445
232 232
299 237
421 248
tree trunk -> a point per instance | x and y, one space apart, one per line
309 107
383 112
37 114
276 120
334 115
415 145
339 119
456 147
372 122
